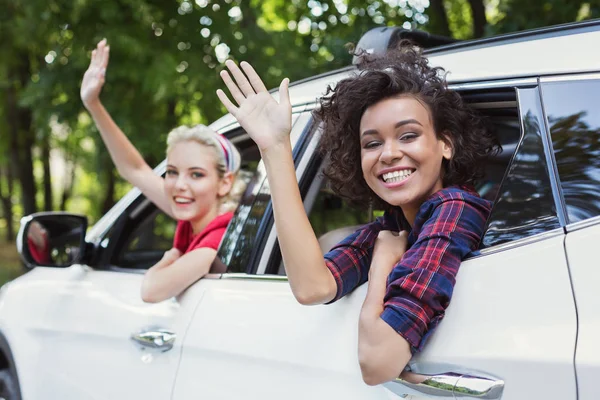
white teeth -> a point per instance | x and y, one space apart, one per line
181 200
396 176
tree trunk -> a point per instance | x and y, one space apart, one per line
109 199
6 200
21 137
28 190
47 176
439 19
479 19
68 187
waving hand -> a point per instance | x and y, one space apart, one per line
267 121
93 79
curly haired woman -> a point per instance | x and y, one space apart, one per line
397 137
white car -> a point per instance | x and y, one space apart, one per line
524 322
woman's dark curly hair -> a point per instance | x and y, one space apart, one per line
402 71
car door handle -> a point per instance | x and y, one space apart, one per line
155 338
448 385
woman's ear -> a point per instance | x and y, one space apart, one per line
226 183
447 146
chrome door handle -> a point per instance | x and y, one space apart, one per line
155 338
448 385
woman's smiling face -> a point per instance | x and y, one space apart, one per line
192 182
401 155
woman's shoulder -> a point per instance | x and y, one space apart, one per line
220 221
456 203
451 209
461 194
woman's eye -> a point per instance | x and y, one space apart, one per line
371 145
408 136
197 175
171 172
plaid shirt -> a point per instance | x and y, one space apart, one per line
448 226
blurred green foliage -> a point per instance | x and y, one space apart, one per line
165 59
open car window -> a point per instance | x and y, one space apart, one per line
333 219
141 235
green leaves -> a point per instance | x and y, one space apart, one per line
166 55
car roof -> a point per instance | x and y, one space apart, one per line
561 49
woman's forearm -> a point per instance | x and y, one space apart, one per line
124 155
129 162
170 277
310 279
382 352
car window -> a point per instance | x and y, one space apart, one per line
572 111
140 235
525 204
246 234
148 241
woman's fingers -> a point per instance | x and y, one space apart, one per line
255 80
105 55
240 78
98 53
284 92
238 96
231 108
93 60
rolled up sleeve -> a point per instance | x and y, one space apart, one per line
349 261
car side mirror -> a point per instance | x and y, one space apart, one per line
52 239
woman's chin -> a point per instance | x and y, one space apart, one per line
182 215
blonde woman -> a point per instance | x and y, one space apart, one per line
200 189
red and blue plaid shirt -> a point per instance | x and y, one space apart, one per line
448 226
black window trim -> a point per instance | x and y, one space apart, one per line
563 78
553 177
267 243
559 198
263 239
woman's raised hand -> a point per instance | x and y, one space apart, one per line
266 121
93 79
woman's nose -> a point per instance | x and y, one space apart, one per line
181 183
390 152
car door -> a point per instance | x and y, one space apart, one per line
81 322
572 112
93 336
251 339
510 330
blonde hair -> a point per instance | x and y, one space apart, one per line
227 156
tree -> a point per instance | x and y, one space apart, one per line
165 59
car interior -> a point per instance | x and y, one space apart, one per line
333 220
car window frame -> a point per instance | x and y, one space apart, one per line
249 263
575 77
534 84
269 258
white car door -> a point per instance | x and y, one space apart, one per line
88 335
571 106
582 240
511 327
509 332
251 339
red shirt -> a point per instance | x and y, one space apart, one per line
185 240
